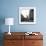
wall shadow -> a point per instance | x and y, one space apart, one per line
2 21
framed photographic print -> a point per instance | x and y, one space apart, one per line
27 15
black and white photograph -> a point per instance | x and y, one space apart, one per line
27 15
